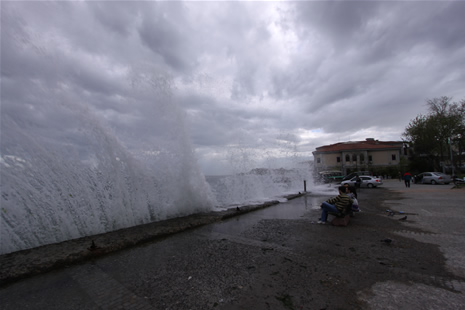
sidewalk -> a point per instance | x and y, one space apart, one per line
438 211
279 258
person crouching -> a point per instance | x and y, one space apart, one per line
335 205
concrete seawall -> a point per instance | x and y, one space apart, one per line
22 264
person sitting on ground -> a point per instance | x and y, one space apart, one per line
351 189
337 205
353 195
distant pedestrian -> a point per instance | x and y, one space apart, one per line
400 176
407 178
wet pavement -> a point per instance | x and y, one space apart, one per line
177 263
435 215
272 259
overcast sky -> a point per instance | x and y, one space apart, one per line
271 79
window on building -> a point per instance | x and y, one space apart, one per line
362 158
347 157
318 160
393 156
354 157
338 159
370 158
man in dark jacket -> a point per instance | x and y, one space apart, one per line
407 178
338 204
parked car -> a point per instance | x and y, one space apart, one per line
330 176
354 174
432 178
459 180
367 181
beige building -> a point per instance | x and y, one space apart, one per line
365 155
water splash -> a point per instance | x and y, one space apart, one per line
58 186
256 186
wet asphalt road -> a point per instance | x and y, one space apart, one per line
251 262
202 268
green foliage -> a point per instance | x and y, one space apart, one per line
390 172
420 164
430 134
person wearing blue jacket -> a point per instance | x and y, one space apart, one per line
407 179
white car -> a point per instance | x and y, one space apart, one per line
367 181
433 178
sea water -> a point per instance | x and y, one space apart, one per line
257 186
260 185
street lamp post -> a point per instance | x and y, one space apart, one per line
451 159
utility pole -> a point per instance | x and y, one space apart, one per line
451 159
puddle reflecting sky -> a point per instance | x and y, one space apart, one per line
299 208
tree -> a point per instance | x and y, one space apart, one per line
433 135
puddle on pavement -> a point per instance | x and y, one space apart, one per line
299 208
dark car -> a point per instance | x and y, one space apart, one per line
354 174
330 176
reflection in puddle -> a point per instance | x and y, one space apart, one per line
304 207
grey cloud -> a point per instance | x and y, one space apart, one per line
382 29
433 22
248 74
119 16
243 84
166 32
366 41
335 21
222 123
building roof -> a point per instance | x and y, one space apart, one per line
368 144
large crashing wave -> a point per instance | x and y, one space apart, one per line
78 179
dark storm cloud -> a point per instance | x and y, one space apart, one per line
368 45
382 26
164 41
239 74
212 125
335 21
